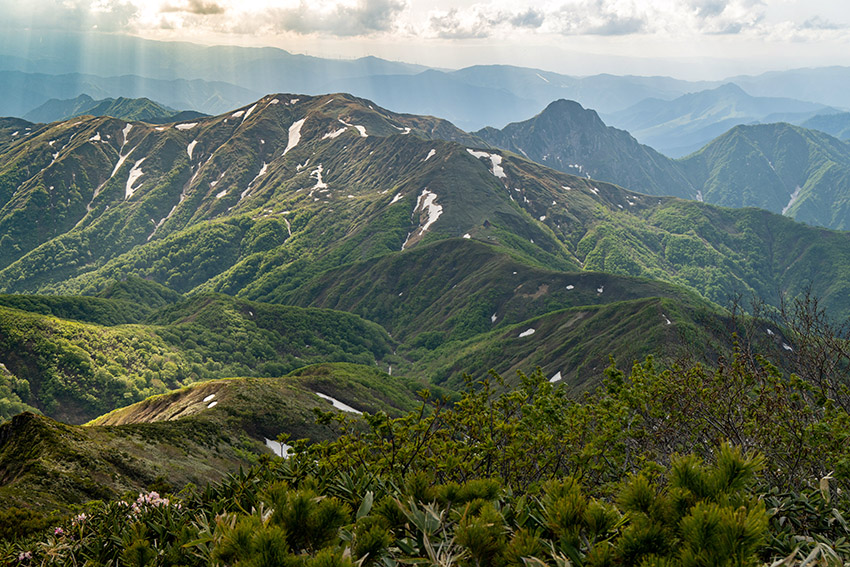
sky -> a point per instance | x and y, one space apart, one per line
691 39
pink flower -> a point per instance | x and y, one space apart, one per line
58 531
24 556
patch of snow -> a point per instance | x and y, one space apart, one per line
295 100
556 378
209 398
360 129
594 190
317 174
793 200
406 240
51 142
294 135
95 138
526 333
302 166
334 134
699 197
16 132
280 449
161 128
397 198
669 322
571 286
248 113
547 80
212 405
274 101
186 126
493 318
495 160
338 404
431 154
567 188
222 194
542 218
134 175
770 332
191 147
600 289
428 200
786 346
238 114
467 236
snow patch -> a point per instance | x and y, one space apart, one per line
338 404
794 196
95 138
467 236
209 398
134 175
191 148
222 194
280 449
317 175
274 101
542 218
786 346
699 197
212 405
770 332
495 160
600 289
238 114
248 113
428 200
431 154
571 286
547 80
556 378
334 134
295 100
294 135
51 142
669 322
360 129
493 318
186 126
397 198
526 333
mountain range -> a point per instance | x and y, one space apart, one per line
782 168
335 255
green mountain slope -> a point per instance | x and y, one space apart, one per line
197 434
76 371
786 169
837 125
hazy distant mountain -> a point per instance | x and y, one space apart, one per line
21 92
142 109
826 85
683 125
837 125
569 138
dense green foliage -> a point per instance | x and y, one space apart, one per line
508 477
76 371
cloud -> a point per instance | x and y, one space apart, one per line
363 18
599 17
531 18
68 15
198 7
818 23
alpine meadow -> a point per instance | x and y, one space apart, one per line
381 283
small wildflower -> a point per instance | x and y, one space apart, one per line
79 519
24 556
58 531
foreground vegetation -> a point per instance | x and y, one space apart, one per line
682 466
